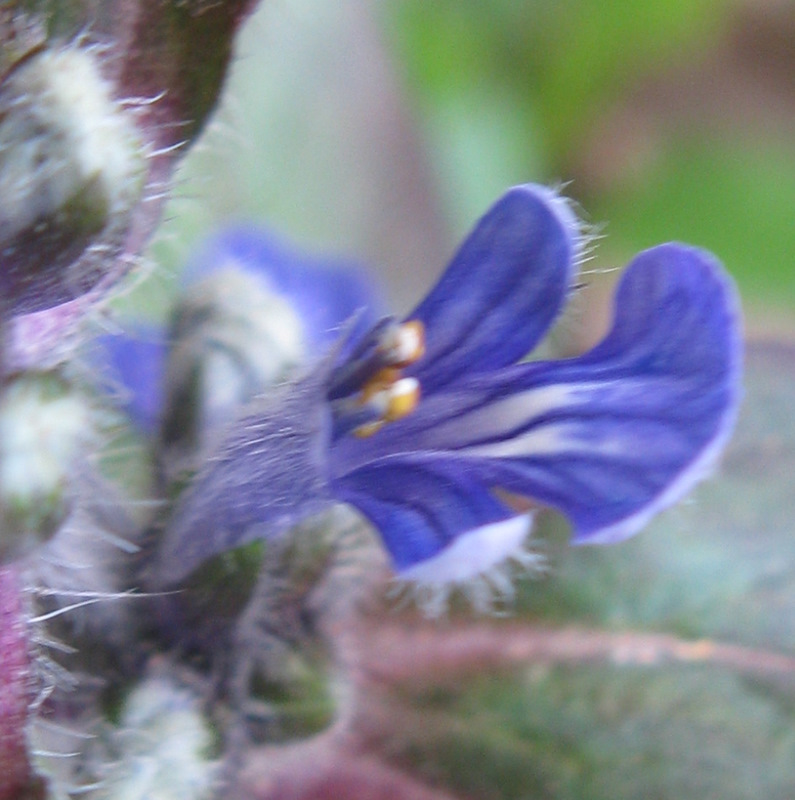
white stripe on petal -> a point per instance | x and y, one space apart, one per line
499 418
544 440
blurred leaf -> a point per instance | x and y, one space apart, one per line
592 731
557 64
593 50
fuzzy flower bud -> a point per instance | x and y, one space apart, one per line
164 746
71 170
43 421
233 337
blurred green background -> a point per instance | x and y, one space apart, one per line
383 130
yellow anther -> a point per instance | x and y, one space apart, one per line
387 393
383 380
403 399
398 400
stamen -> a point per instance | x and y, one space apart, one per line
398 400
404 396
405 343
382 381
414 336
384 396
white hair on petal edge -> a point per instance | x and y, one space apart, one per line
584 234
481 565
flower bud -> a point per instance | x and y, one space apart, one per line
164 746
43 422
71 170
233 338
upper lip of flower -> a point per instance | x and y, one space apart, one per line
496 300
609 438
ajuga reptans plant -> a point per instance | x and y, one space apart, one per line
290 434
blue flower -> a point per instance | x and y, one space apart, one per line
431 427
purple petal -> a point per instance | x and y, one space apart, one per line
324 292
132 367
421 506
502 290
609 438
